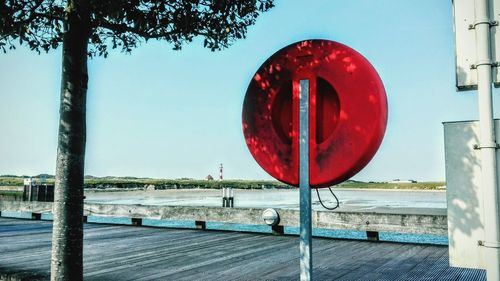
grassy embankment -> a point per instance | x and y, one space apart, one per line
127 183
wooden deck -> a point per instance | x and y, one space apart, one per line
113 252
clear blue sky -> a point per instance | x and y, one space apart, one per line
171 114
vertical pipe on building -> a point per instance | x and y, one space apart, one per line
488 143
305 190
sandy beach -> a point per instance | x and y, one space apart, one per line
350 199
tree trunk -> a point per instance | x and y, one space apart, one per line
67 236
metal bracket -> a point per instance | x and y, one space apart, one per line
492 145
488 244
491 23
485 62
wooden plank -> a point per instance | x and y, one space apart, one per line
115 252
207 252
176 252
358 260
247 265
161 245
400 264
284 263
450 274
335 262
428 265
236 258
476 274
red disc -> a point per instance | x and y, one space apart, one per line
347 112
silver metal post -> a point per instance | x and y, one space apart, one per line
224 197
488 143
305 190
30 189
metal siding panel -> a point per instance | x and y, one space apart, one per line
465 45
464 196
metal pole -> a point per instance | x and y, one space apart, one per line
224 197
30 189
305 190
488 143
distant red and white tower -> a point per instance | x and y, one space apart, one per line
220 172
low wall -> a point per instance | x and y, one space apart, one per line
363 221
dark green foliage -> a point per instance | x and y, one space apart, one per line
8 180
124 183
124 24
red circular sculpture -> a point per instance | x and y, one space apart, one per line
347 112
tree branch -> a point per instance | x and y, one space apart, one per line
35 15
49 16
123 28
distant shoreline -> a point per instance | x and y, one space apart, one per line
129 183
9 190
